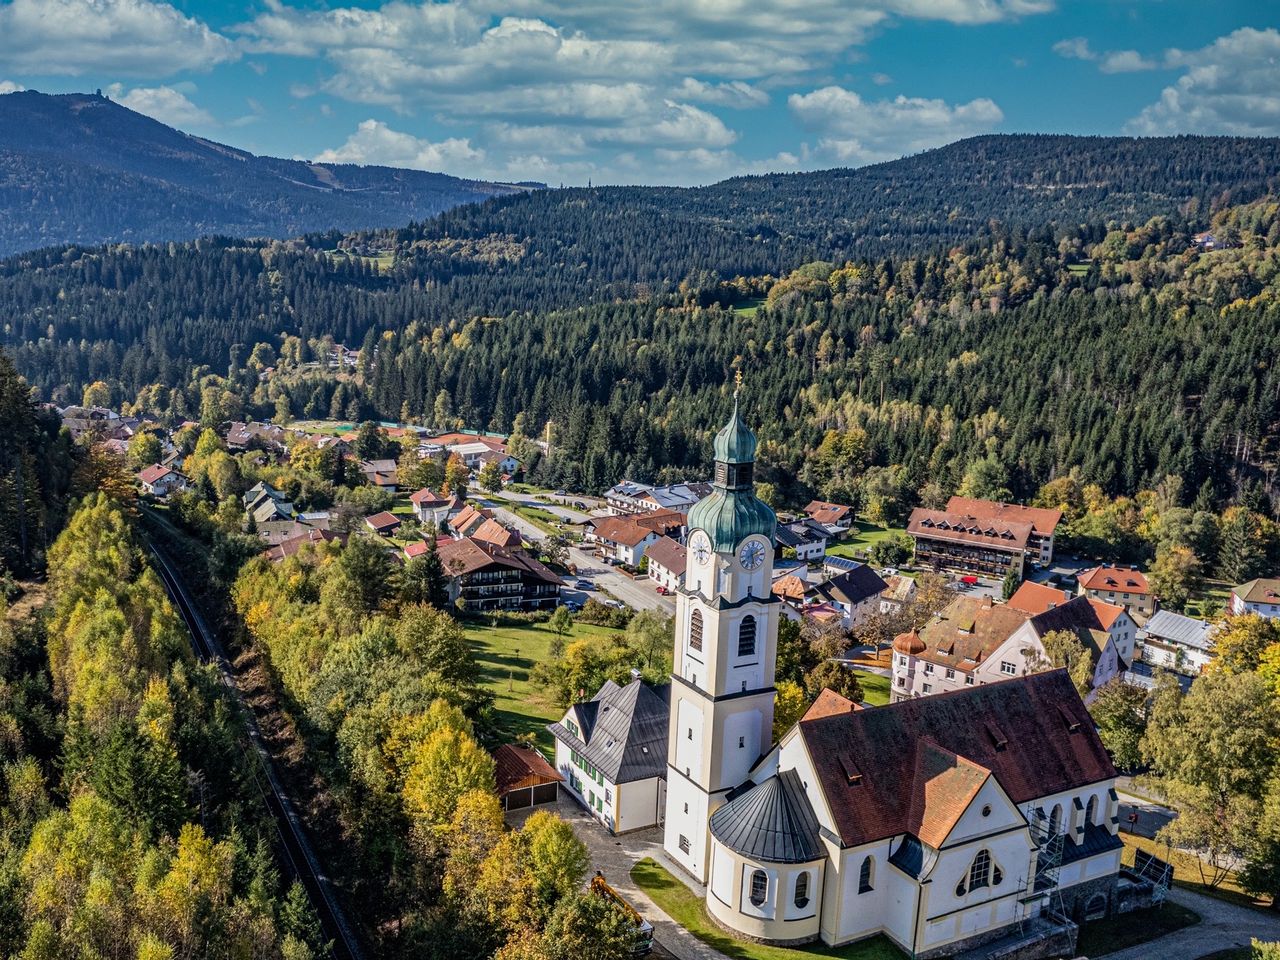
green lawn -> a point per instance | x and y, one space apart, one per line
748 308
875 688
506 654
1142 926
683 906
860 539
546 521
1210 599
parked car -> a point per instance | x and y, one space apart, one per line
584 585
573 606
559 493
662 591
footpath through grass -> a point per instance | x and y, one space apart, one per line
506 654
1128 930
683 906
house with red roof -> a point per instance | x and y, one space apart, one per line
430 507
1120 585
160 481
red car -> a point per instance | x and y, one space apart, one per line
663 591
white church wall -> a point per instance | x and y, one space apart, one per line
741 745
990 811
722 874
684 825
688 734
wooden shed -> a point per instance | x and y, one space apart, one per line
524 777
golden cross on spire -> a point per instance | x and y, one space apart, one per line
737 381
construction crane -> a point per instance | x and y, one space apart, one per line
644 929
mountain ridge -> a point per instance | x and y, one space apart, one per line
82 169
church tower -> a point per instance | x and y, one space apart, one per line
722 680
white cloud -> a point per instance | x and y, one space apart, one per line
376 143
734 93
163 103
857 131
881 79
1125 61
1230 87
8 86
1074 48
125 37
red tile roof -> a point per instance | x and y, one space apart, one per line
491 531
461 557
383 521
1036 598
1033 733
426 498
668 554
631 528
962 528
829 704
790 587
516 766
945 784
153 473
968 631
1114 578
415 549
287 548
1044 520
824 512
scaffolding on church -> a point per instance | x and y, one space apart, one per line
1042 868
1158 872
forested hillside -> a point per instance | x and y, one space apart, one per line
81 169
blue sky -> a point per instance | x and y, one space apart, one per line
651 91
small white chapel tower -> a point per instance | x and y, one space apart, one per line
726 647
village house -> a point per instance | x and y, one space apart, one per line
855 594
265 503
1121 629
495 534
380 473
897 594
430 508
160 481
1261 596
975 641
1171 641
667 560
485 577
1044 522
835 517
289 547
962 543
626 538
612 752
468 520
1125 586
523 777
384 524
806 537
632 497
263 436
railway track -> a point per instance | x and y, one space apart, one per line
300 854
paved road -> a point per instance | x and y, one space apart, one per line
637 594
1221 925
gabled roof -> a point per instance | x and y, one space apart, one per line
1036 598
668 554
1033 733
771 821
426 498
624 731
853 586
1077 616
1114 578
287 548
153 473
828 703
383 521
468 520
464 556
1261 590
968 631
965 528
632 528
491 531
824 512
1175 628
944 785
790 587
516 766
1043 520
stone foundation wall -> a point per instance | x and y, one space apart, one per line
1075 899
1045 945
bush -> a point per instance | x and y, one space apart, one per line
602 615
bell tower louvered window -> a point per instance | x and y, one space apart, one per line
747 637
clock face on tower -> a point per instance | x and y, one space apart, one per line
701 547
751 555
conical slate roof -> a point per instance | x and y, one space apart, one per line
771 822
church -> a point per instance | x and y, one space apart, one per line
943 823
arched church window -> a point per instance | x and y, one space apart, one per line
980 871
1091 811
695 630
802 890
866 875
759 887
747 637
1055 820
